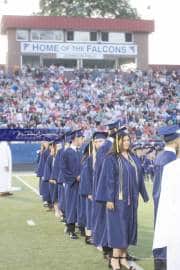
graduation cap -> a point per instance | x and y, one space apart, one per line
113 124
60 138
158 146
67 136
137 146
100 135
77 133
169 133
148 145
122 131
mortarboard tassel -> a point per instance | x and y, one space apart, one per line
117 144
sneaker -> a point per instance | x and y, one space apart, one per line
45 204
73 236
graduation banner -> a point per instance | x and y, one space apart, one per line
30 134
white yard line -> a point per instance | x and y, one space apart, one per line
27 185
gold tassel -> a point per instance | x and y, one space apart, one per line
120 195
117 144
93 154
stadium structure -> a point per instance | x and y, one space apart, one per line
76 42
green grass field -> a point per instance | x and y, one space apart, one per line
44 246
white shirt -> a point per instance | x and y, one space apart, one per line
168 215
170 149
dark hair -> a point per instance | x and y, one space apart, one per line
115 147
88 152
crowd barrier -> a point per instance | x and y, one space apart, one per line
24 153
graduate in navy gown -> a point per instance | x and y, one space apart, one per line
44 153
39 170
163 158
123 181
81 207
100 239
60 181
71 176
85 188
151 158
53 186
98 216
47 176
147 162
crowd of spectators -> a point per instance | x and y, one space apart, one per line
52 97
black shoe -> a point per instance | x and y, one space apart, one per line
107 253
3 194
73 236
131 258
88 240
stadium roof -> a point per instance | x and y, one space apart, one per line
75 23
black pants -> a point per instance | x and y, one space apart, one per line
70 227
160 264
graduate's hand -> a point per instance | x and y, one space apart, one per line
110 205
90 197
78 178
52 181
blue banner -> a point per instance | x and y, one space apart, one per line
30 135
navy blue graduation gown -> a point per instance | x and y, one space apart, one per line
45 179
151 168
122 222
40 168
54 176
81 206
85 189
99 228
161 160
61 183
70 171
56 167
53 187
43 157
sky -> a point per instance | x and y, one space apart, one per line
164 43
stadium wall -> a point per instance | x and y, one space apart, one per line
24 153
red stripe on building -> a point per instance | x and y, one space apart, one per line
75 23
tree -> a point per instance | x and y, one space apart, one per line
88 8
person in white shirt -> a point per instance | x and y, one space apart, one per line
5 169
168 215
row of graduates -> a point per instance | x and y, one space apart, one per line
96 185
147 152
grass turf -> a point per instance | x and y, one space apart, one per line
44 246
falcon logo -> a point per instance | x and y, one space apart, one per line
25 46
